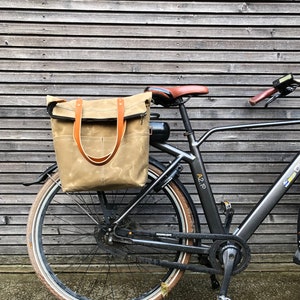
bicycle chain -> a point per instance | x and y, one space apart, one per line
215 255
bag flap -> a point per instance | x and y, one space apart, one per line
103 109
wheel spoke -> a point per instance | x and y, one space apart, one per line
69 236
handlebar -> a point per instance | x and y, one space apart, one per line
262 96
281 87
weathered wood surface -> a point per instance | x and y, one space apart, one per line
81 48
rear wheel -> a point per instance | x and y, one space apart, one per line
74 257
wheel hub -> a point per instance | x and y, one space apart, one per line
103 235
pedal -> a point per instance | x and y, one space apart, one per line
228 211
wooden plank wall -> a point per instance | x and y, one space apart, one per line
113 48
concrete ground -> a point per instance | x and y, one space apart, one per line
248 286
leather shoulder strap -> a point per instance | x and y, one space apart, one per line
121 127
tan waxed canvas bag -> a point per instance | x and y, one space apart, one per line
101 144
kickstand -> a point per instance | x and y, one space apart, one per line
214 282
213 279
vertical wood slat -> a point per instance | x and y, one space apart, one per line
71 48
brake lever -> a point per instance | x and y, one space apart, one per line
287 90
272 99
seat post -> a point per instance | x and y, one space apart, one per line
185 118
189 132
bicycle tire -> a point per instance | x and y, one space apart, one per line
70 260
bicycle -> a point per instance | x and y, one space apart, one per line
137 243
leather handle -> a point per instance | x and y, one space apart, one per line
121 127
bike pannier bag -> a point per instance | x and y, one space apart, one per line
101 144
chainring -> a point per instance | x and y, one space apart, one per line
216 251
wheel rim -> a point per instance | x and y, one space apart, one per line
45 267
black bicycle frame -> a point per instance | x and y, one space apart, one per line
265 204
196 163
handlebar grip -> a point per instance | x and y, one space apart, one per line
263 95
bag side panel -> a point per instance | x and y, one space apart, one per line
128 168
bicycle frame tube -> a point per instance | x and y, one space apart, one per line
263 208
275 193
201 181
245 126
269 200
195 161
145 191
199 174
